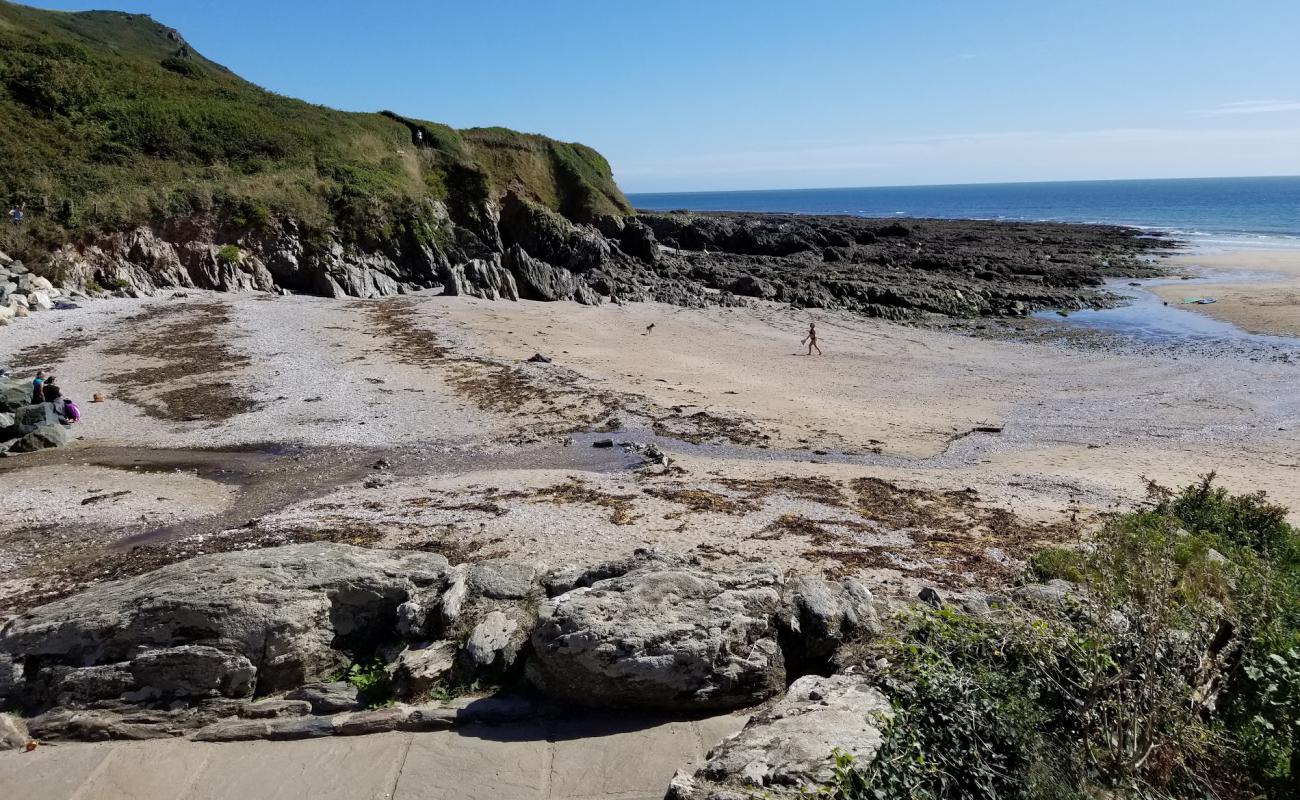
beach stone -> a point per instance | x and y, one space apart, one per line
419 670
275 708
750 286
39 300
791 745
428 718
572 576
493 605
28 283
327 698
13 732
586 295
1053 594
97 726
378 720
88 685
475 590
11 674
273 729
290 612
638 240
671 639
493 646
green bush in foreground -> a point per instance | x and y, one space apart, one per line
1175 673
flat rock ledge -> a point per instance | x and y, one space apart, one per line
254 644
272 720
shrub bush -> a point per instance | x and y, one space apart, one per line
1175 675
228 255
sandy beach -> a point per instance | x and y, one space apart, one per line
923 455
1259 290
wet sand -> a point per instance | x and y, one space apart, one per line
1267 303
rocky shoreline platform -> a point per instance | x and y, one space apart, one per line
910 269
267 644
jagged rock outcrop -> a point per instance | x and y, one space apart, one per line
790 746
519 249
664 638
538 280
956 268
485 278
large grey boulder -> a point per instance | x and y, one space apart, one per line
821 616
43 437
13 732
790 746
289 612
674 639
15 393
29 283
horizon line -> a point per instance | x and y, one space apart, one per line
965 183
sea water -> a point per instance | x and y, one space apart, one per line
1240 209
1208 213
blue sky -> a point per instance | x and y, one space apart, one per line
757 94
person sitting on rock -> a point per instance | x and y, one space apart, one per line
50 390
68 411
38 396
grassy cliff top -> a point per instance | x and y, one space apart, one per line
108 119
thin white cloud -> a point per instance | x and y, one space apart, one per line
1255 107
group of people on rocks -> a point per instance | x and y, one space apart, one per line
45 389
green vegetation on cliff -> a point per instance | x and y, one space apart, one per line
109 119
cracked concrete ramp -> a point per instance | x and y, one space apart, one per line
581 759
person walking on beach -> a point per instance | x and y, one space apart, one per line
38 383
811 339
